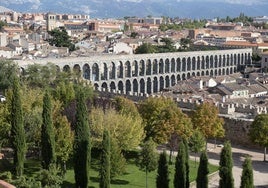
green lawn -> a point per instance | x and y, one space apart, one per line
133 178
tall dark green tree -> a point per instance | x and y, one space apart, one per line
180 168
60 38
226 166
82 148
162 180
105 164
148 158
47 134
202 173
187 166
18 139
247 174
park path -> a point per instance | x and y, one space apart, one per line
260 168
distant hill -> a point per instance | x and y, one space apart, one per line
142 8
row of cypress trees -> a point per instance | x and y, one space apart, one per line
181 177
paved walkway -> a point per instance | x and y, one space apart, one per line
260 168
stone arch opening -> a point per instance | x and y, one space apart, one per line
127 69
112 87
211 61
104 86
148 67
167 66
193 64
155 85
95 72
178 77
112 71
149 86
161 83
104 72
96 87
178 64
155 67
184 64
142 86
173 80
167 82
86 71
120 70
135 86
173 65
198 64
188 64
128 87
161 66
67 69
142 68
135 68
120 87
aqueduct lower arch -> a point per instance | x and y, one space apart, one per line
150 73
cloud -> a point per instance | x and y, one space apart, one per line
243 2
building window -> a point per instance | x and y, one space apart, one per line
265 60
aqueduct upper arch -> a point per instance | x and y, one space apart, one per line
149 73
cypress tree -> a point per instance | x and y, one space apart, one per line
247 174
118 161
81 142
162 180
105 161
187 167
180 168
202 173
226 165
18 139
47 134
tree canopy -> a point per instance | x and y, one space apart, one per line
60 38
205 119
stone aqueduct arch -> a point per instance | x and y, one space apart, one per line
150 73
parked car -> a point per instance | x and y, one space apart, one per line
2 98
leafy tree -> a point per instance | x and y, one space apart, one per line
118 161
51 177
18 139
37 75
203 171
255 57
180 168
125 129
197 142
226 166
162 179
64 92
63 136
47 134
148 158
105 161
258 131
7 74
164 122
145 48
162 118
2 24
81 142
205 119
60 38
247 174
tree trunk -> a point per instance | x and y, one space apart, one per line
146 179
264 155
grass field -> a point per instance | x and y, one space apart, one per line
133 178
